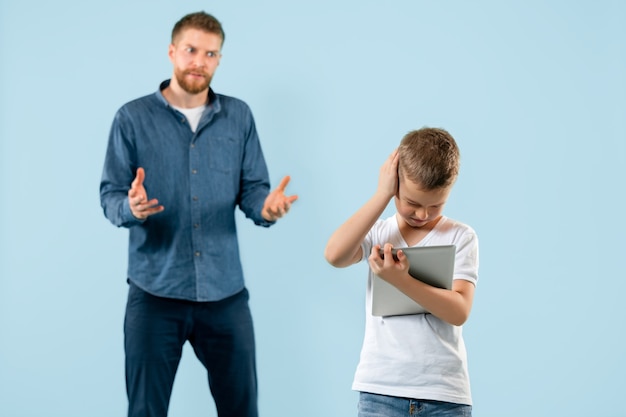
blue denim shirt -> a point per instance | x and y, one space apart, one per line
190 250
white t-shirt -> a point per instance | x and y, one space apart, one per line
193 115
417 356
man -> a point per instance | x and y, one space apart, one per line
177 165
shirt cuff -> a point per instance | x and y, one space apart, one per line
129 217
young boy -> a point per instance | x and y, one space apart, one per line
415 363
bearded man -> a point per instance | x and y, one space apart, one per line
178 164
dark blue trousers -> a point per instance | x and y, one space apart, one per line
222 337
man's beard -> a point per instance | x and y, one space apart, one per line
192 87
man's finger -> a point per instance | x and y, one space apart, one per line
283 183
139 177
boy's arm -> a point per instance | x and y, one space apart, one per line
452 306
344 246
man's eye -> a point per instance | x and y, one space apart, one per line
211 54
190 50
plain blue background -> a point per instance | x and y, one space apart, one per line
533 91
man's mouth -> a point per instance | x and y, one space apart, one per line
197 74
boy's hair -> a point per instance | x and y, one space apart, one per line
429 157
198 20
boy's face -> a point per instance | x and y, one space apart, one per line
418 207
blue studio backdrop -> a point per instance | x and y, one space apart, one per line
533 91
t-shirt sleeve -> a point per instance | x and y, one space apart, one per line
368 242
466 258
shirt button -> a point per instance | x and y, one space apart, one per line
193 145
195 226
195 198
194 171
197 253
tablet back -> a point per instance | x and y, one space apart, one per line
433 265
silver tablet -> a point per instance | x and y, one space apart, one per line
433 265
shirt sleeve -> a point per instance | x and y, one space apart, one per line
255 185
368 242
118 173
466 258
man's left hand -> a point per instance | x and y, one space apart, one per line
277 204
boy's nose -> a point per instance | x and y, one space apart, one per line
421 214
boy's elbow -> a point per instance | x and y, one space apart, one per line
459 319
333 258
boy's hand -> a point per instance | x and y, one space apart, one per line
388 268
277 204
388 177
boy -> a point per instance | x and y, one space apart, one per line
413 363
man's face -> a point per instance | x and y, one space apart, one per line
195 55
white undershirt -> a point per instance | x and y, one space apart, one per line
193 115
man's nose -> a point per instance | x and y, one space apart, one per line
198 61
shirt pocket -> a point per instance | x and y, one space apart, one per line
224 155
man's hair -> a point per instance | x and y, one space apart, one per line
429 157
199 20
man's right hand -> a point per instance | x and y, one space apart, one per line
140 206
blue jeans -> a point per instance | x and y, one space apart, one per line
375 405
221 334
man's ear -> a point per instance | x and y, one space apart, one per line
170 51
